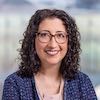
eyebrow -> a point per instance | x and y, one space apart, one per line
50 32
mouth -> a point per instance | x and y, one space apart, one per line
52 52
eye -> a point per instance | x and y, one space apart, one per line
44 34
60 35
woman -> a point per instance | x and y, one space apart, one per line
49 68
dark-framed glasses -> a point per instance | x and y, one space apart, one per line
45 37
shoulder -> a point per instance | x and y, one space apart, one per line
85 86
81 86
18 88
82 82
82 79
81 76
14 78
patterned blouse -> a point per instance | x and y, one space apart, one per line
18 88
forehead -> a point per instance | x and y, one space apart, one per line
52 23
51 20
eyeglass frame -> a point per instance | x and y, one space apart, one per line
50 37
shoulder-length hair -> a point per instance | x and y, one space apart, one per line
29 60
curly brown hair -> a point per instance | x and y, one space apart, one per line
29 60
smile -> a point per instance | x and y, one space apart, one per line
52 52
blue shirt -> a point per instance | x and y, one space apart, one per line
18 88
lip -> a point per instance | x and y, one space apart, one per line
52 52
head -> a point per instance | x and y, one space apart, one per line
30 52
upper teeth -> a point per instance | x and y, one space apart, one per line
51 52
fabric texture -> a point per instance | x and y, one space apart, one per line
58 96
18 88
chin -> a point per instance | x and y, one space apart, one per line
53 62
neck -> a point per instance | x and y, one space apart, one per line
46 76
51 72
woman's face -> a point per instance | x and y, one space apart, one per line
51 52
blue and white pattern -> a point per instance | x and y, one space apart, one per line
18 88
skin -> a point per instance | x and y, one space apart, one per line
51 55
52 25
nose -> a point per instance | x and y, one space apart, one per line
53 43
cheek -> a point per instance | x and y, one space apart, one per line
39 48
66 46
65 49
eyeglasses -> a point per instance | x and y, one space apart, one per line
45 37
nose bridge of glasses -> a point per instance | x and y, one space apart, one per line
51 37
52 41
